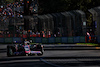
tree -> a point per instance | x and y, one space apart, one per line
52 6
10 1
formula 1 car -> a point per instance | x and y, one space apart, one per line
24 50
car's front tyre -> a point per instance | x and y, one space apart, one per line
9 51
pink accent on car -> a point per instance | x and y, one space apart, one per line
27 48
27 51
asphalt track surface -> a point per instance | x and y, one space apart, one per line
53 58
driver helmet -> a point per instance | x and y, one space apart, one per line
15 42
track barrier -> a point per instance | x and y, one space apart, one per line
76 39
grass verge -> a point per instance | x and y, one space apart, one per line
88 44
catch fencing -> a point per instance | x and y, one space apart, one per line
76 39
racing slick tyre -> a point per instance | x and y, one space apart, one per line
9 51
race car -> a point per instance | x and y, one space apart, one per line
25 49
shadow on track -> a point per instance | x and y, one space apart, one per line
3 50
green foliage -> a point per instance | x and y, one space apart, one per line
52 6
9 1
89 20
88 44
